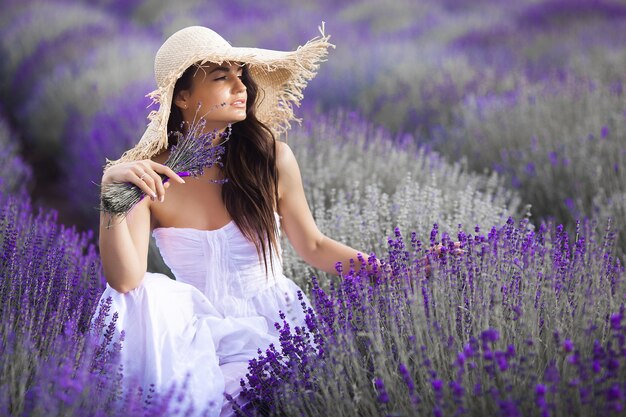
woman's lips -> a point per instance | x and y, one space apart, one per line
239 103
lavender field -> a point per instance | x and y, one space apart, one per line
499 125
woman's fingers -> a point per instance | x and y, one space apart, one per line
145 174
148 180
140 181
437 249
151 176
164 169
156 184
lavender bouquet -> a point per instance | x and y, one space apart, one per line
194 152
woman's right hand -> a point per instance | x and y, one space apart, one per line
144 174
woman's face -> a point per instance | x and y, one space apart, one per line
217 94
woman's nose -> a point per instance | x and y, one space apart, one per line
239 85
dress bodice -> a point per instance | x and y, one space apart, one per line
223 264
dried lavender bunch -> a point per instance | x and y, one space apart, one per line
193 153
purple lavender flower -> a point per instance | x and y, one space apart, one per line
616 321
406 377
568 346
359 319
554 158
437 385
490 335
382 397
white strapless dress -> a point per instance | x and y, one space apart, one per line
203 327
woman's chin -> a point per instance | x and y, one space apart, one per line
240 118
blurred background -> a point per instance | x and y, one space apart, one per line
428 111
460 117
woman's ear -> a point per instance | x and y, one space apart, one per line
182 99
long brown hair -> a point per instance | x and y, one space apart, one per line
251 190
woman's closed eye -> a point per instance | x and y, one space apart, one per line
225 77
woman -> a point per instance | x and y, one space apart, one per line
220 239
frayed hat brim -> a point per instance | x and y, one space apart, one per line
280 75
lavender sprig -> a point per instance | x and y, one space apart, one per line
194 152
191 157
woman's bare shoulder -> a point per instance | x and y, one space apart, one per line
284 156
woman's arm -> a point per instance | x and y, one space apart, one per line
312 245
124 246
124 240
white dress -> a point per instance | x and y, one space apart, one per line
208 322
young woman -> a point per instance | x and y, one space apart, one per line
220 239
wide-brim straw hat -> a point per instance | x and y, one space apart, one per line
280 75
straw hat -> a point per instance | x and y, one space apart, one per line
280 75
